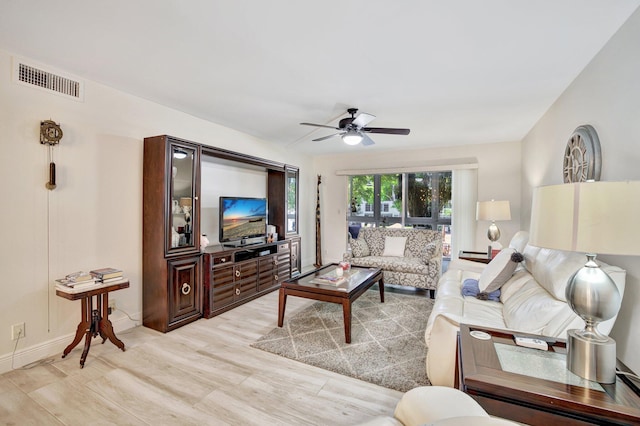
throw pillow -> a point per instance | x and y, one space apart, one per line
394 246
359 248
499 270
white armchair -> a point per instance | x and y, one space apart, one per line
438 405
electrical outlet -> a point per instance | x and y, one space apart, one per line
112 305
17 331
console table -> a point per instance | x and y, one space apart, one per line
94 321
533 386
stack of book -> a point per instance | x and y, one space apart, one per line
330 278
107 275
78 281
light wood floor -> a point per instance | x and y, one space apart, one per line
202 374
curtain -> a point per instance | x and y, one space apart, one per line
464 188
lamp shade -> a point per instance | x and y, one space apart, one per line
589 217
493 210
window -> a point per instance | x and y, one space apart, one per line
419 200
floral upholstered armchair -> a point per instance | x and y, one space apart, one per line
408 257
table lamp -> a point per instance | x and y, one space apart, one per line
493 210
589 217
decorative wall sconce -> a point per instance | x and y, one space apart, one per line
50 134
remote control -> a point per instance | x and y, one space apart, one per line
529 342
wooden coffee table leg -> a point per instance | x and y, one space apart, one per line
282 303
346 313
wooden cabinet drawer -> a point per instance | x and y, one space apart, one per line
222 276
222 296
283 248
222 259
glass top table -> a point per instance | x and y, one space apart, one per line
318 285
533 386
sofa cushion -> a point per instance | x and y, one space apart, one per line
359 248
375 240
429 251
411 265
394 246
532 309
417 240
497 272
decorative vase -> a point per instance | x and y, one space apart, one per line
204 242
175 238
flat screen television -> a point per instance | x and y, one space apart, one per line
242 219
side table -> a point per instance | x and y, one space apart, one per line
475 256
533 386
94 321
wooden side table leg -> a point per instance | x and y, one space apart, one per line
91 331
381 285
87 345
101 301
83 327
106 329
282 303
346 313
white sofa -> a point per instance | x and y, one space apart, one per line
531 301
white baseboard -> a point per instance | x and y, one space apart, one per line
54 346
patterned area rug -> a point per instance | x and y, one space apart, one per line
387 339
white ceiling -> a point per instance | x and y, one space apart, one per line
453 71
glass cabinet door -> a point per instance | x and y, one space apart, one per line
183 197
292 200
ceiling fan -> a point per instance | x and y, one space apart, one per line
353 130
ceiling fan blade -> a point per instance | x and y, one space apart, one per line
320 125
366 140
327 137
387 130
363 119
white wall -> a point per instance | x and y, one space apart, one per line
224 180
607 96
498 178
94 217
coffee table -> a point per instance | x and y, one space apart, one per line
359 279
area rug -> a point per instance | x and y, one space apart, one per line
387 339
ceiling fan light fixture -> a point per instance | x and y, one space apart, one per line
352 137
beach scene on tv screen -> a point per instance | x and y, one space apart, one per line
243 218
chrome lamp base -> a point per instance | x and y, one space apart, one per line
591 359
592 294
493 233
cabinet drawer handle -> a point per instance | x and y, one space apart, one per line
275 277
223 260
237 292
186 289
238 273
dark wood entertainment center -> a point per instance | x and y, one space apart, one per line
181 283
240 274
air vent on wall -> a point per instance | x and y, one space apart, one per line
36 76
